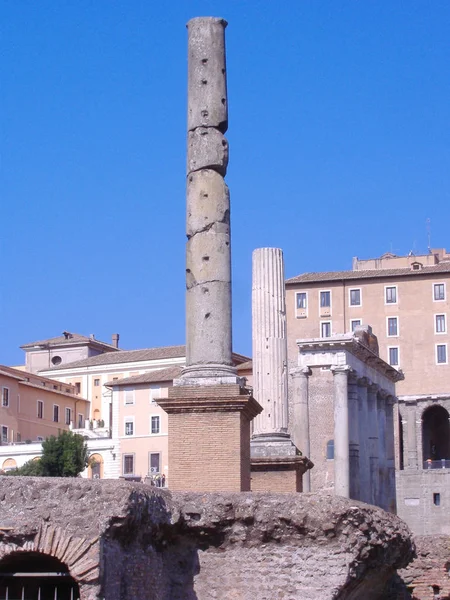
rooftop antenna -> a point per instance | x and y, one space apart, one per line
428 222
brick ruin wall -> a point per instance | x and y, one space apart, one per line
124 541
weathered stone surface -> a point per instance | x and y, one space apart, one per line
153 545
207 149
207 80
208 203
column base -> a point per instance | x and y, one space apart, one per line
211 375
209 437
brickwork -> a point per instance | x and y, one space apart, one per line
276 480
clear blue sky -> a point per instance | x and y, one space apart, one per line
339 146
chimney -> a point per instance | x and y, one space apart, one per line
115 340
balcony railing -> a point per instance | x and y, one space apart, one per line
443 463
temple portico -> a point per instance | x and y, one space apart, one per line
348 392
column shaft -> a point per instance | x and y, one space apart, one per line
300 417
353 415
364 441
382 467
373 444
411 433
341 433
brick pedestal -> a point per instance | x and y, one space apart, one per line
209 437
279 474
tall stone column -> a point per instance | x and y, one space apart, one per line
271 444
411 434
390 454
353 416
364 462
372 392
209 409
208 249
300 416
341 432
382 466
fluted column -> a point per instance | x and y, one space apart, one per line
341 433
208 250
411 435
364 463
372 391
270 375
353 415
390 453
300 416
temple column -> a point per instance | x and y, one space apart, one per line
390 454
364 465
372 391
382 467
353 415
276 463
341 431
300 416
411 434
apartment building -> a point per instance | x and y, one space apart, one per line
406 301
33 408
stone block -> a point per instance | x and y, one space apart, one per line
208 203
207 149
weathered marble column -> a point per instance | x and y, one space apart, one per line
353 415
341 433
364 462
382 467
411 434
270 374
390 454
208 250
300 416
374 475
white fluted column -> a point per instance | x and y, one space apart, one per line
300 416
270 375
341 433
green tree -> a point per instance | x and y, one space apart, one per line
62 456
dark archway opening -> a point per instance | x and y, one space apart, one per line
36 576
435 436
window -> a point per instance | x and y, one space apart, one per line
391 294
40 409
301 300
78 387
355 297
129 426
68 416
325 299
96 382
128 464
155 393
154 462
330 450
325 329
154 425
439 291
56 413
354 323
129 396
441 354
437 499
4 434
392 326
393 357
5 397
19 437
80 421
56 360
440 325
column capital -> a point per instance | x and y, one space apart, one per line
364 382
373 388
300 372
341 369
391 400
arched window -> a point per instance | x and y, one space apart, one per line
435 436
330 450
36 575
95 466
9 464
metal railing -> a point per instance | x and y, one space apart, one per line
443 463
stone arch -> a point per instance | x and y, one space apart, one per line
79 555
9 464
435 433
27 574
95 468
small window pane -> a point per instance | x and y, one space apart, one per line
4 434
391 295
96 382
56 413
301 300
325 299
440 323
80 421
393 356
356 323
68 416
155 425
129 397
439 291
40 409
5 397
330 450
325 330
154 462
355 297
128 464
129 427
392 326
442 353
